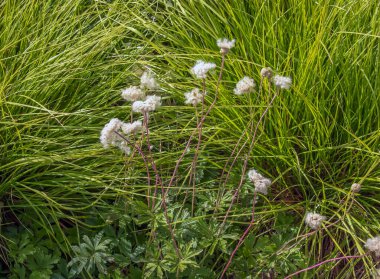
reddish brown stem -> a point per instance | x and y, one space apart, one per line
250 124
241 240
245 164
200 124
321 263
159 183
196 154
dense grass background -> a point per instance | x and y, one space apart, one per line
63 64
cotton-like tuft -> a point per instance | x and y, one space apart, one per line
201 68
282 82
131 128
194 97
148 81
254 175
356 187
132 94
153 101
266 72
260 182
122 145
262 185
245 85
373 245
107 135
150 104
314 220
225 45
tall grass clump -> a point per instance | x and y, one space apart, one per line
230 169
61 68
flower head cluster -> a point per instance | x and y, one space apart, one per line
314 220
109 136
151 103
131 128
373 245
282 82
201 68
266 73
356 187
225 45
147 81
245 85
261 183
194 97
132 93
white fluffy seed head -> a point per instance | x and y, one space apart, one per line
254 175
122 145
148 81
282 82
266 72
245 85
262 185
356 187
131 128
132 94
107 135
201 68
194 97
373 245
260 182
314 220
225 45
151 103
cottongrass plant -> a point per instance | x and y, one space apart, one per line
122 135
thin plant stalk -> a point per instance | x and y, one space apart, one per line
158 179
137 148
159 183
323 262
245 164
200 124
222 185
196 154
244 235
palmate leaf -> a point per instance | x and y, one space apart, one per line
18 272
91 255
21 249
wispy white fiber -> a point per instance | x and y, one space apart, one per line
132 94
194 97
314 220
245 85
148 81
225 45
282 82
201 68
